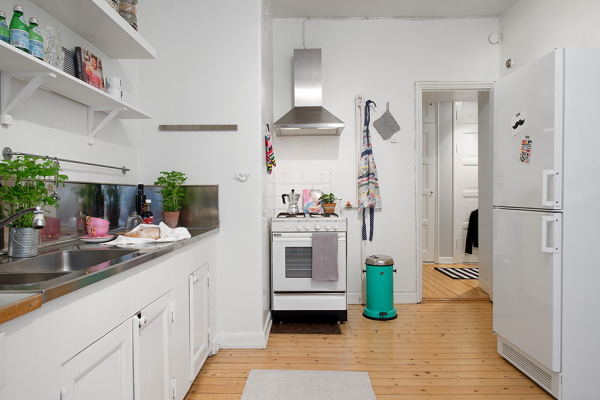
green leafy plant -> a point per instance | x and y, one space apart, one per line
24 186
171 190
329 198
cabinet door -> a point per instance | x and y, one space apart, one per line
103 370
153 342
198 319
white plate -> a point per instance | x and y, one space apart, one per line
91 239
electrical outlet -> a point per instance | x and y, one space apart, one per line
394 139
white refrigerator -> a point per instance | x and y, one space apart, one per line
546 222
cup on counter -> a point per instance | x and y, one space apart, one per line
113 87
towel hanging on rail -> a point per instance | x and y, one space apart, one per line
368 185
269 151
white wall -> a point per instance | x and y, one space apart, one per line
533 28
209 72
382 60
49 124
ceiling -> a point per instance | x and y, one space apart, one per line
390 8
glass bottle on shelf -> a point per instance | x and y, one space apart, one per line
4 33
128 10
19 31
36 42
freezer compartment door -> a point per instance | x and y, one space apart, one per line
527 282
528 135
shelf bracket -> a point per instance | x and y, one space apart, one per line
112 113
6 105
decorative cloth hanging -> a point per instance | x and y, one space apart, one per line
386 125
368 185
270 155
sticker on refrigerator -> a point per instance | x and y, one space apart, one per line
519 122
525 150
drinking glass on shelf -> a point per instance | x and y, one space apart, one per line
53 52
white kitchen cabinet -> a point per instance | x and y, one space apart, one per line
104 370
153 348
199 329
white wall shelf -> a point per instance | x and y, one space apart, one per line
15 64
99 24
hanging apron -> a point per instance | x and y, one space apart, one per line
368 185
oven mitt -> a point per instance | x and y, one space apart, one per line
386 125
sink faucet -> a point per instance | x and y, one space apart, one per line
38 220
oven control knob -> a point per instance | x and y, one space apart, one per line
335 228
287 227
327 227
299 227
317 227
306 228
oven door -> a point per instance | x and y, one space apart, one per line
292 264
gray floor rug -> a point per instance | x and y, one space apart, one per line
272 384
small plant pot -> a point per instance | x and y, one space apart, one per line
23 242
329 208
170 218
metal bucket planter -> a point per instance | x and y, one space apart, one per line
23 242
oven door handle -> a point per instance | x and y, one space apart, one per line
297 239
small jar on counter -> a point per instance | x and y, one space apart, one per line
128 10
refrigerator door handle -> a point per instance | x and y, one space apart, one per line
548 190
550 242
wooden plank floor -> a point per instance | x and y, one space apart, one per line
434 350
439 286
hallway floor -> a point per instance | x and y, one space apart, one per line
439 286
435 350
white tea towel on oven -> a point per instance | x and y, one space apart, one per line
166 235
325 257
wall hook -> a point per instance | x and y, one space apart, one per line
242 176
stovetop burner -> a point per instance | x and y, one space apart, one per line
286 215
311 215
326 215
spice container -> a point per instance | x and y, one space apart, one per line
128 10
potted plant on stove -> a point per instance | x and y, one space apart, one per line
328 201
172 194
23 181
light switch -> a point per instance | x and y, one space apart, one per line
394 139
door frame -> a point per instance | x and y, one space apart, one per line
421 87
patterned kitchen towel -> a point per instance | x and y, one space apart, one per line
368 184
386 125
269 151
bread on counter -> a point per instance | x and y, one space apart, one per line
147 233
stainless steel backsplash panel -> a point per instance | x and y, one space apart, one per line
116 202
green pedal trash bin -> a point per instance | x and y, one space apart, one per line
380 288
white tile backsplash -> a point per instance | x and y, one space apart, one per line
284 182
279 177
326 177
311 178
292 177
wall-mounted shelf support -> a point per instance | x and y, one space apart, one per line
6 105
112 113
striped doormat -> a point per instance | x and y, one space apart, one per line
460 273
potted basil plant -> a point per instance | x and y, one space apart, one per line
328 201
172 193
23 181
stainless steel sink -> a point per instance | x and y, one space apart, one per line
55 264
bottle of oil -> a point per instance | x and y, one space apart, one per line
148 216
140 200
19 31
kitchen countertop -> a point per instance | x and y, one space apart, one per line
22 299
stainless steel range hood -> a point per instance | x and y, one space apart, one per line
308 117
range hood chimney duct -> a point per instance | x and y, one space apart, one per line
308 117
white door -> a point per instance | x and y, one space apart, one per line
104 370
153 332
528 106
527 282
199 340
466 177
428 190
